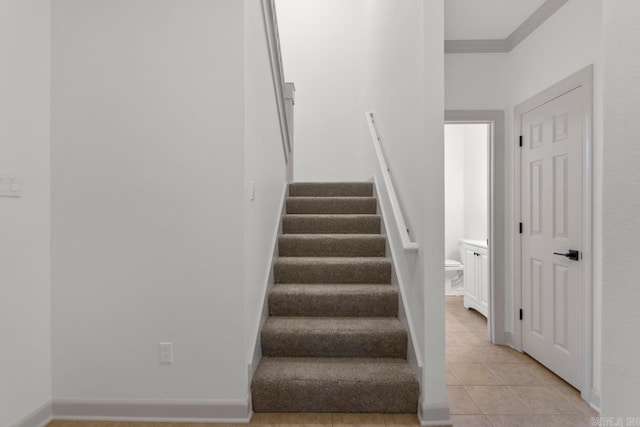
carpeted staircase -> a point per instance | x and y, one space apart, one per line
333 342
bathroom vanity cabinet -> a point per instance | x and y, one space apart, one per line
476 276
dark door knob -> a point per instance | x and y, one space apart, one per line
572 255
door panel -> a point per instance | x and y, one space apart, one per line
551 197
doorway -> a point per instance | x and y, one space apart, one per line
482 255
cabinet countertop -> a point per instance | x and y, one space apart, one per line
479 243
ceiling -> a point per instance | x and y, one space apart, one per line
486 19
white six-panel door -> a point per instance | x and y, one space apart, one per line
551 209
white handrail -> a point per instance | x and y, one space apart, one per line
407 243
275 54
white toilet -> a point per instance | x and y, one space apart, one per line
453 276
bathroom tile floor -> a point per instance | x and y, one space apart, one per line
495 386
487 386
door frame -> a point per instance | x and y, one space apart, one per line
584 79
496 193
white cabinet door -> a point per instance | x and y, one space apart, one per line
476 279
483 280
470 277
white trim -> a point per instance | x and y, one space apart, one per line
497 195
277 72
407 243
595 400
39 417
204 411
256 352
532 23
476 46
434 415
414 357
584 79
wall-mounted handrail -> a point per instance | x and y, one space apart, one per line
407 243
275 55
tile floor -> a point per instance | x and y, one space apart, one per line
490 385
487 386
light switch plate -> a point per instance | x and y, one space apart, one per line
10 186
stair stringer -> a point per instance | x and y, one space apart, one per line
414 357
256 352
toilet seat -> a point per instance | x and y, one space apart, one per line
452 265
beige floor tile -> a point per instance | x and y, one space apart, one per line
474 374
306 419
514 373
462 354
519 420
460 403
395 420
573 395
266 419
545 399
462 338
545 376
470 421
454 325
569 420
369 420
451 379
500 354
497 400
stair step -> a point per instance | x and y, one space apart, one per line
331 189
334 385
374 270
331 224
337 300
331 205
334 245
333 337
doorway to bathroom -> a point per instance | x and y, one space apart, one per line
474 247
466 158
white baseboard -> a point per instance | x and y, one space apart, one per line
202 411
434 415
508 340
39 417
594 400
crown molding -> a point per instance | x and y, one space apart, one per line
532 23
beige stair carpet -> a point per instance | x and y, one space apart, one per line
333 342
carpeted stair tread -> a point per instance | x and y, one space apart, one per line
332 245
333 337
331 205
333 341
338 300
331 224
331 189
383 385
374 270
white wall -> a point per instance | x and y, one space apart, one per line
323 49
621 231
453 190
148 190
476 182
476 81
264 165
405 92
25 291
466 185
567 42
